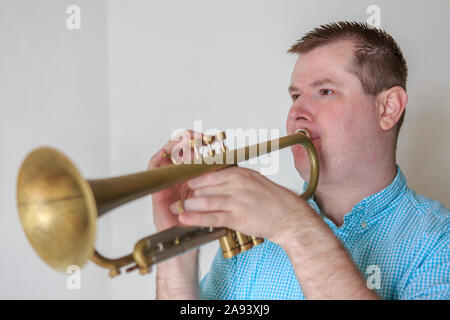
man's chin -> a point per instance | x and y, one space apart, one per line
303 168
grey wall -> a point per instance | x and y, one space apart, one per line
112 93
53 91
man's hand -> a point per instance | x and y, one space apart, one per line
161 200
177 278
242 199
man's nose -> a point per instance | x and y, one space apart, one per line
299 112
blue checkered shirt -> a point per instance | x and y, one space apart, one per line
398 239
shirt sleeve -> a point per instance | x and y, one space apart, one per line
217 283
431 279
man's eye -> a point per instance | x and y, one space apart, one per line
326 92
295 97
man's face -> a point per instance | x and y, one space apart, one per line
329 101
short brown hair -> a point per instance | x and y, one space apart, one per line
378 61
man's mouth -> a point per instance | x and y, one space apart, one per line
312 135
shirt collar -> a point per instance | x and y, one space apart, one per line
371 206
379 201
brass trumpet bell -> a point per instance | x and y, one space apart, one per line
57 209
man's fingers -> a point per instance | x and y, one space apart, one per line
180 148
172 149
201 204
212 178
231 174
212 219
212 190
157 160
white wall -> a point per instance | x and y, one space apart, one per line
150 67
52 92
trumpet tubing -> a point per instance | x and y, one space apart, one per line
58 208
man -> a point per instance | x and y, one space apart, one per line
348 89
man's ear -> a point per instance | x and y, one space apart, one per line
391 104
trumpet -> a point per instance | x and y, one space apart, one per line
58 208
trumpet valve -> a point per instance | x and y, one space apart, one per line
144 270
208 140
195 144
114 272
220 138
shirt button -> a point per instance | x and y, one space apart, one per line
364 224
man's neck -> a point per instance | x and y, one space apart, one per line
335 201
